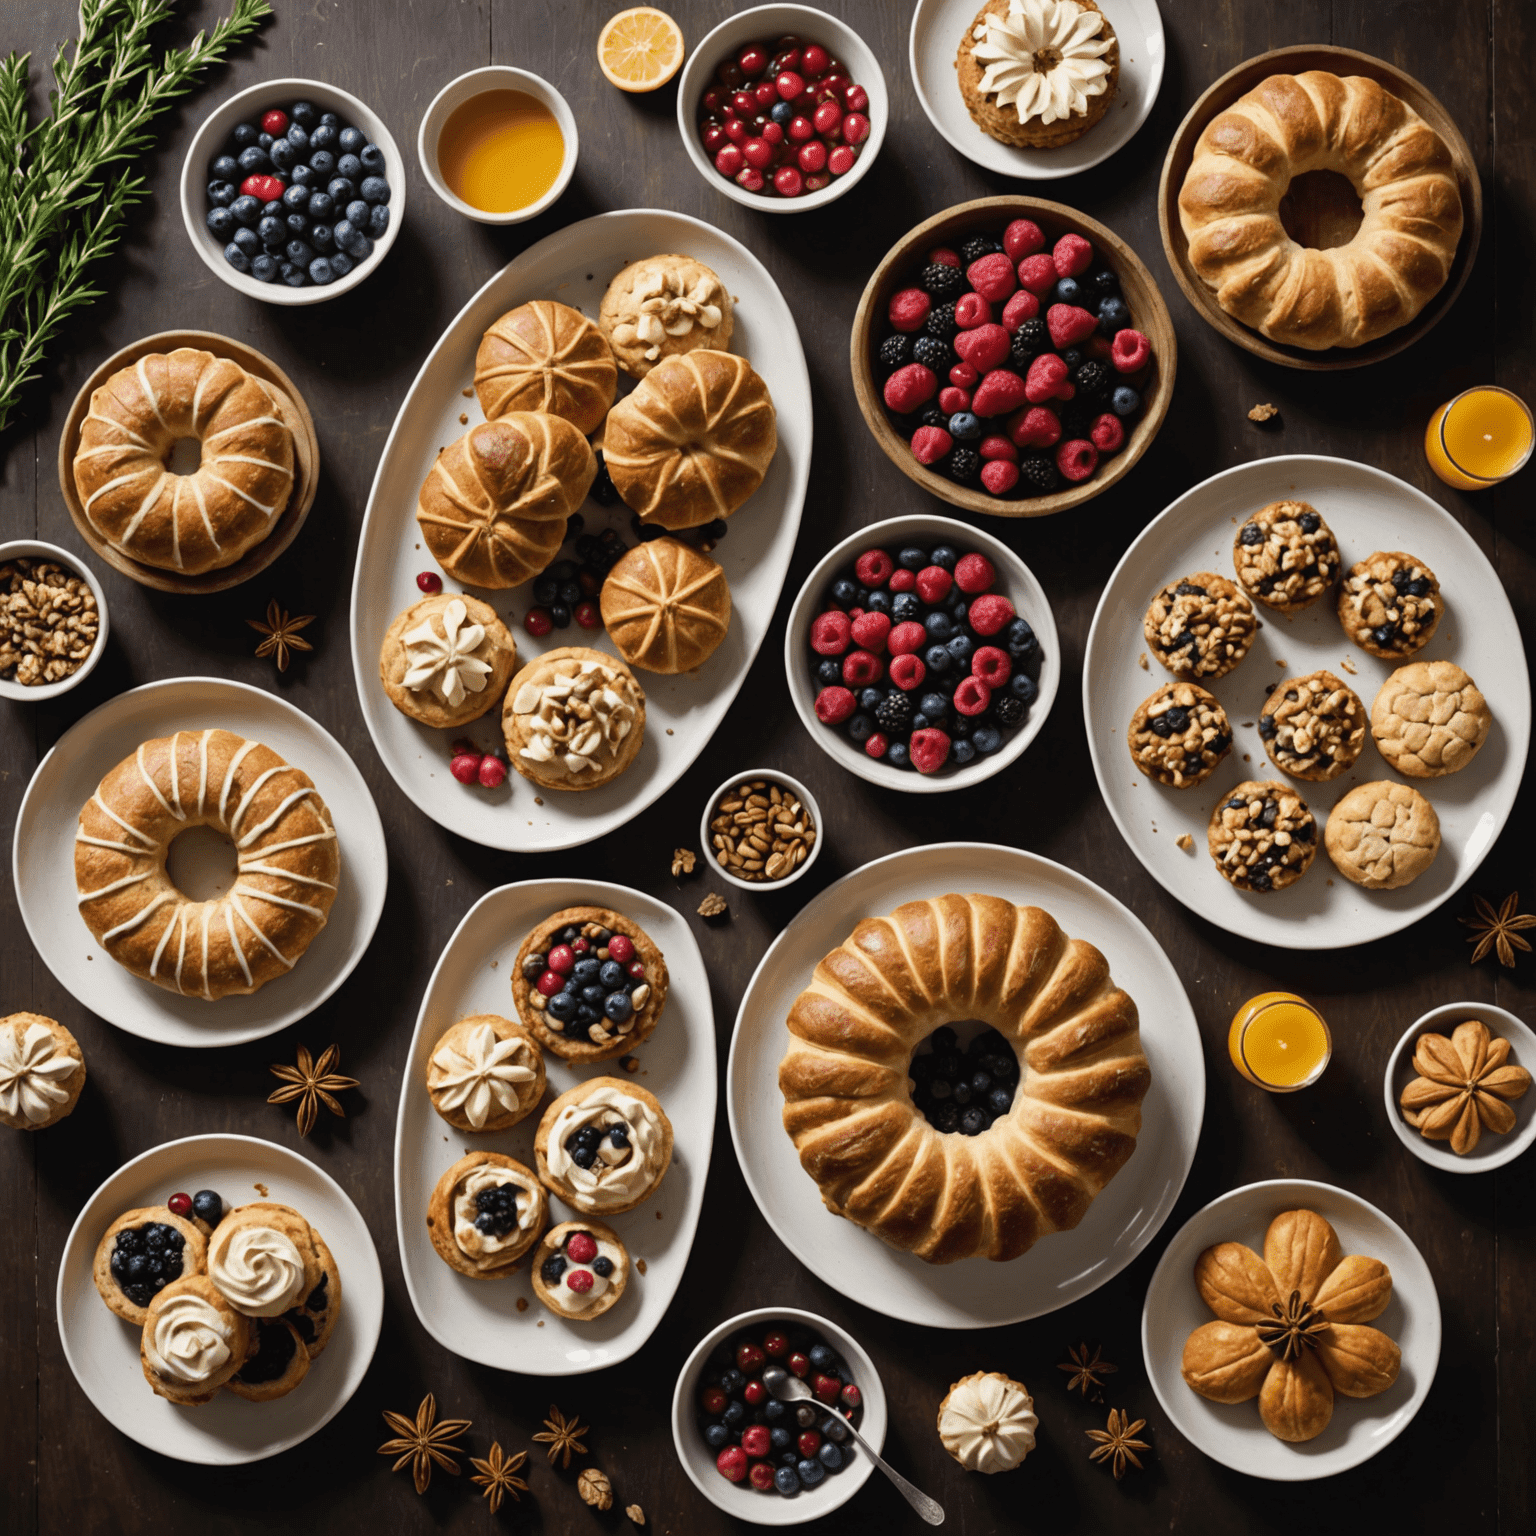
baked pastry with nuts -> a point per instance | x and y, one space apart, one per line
573 718
1390 604
486 1212
1429 719
663 306
1262 836
266 1260
666 606
1178 735
1286 556
447 660
1313 727
1382 835
1200 626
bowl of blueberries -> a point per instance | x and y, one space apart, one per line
922 655
772 1462
293 191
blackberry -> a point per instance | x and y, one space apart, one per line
934 417
942 282
977 247
1102 283
1029 341
1091 379
933 353
1038 472
941 321
964 466
1009 711
895 351
894 716
1076 419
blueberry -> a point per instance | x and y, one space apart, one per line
244 135
602 1265
1072 357
321 206
283 156
784 1479
330 120
835 1429
911 558
944 557
871 698
612 975
897 754
1125 401
964 426
583 1157
934 705
274 210
920 721
324 135
323 163
1067 291
987 738
587 968
1102 282
844 592
254 161
960 648
373 159
563 1005
830 1456
341 189
320 238
350 167
734 1413
298 137
273 232
783 113
225 168
357 212
297 226
1113 315
321 272
237 258
828 671
819 1355
304 113
347 234
774 1410
341 263
351 140
221 223
618 1006
974 1121
1000 1101
939 625
937 659
906 606
374 189
222 193
552 1269
247 240
246 210
302 176
378 222
879 602
1019 637
717 1437
299 253
960 1093
860 727
296 198
810 1472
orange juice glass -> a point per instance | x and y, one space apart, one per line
1280 1042
1480 438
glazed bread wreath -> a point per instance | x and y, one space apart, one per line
1243 165
848 1098
286 856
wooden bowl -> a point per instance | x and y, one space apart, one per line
990 215
1310 219
306 453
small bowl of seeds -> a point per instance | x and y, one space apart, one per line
761 829
53 621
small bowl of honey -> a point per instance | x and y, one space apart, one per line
498 145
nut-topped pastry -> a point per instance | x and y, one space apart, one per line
545 356
663 306
573 718
1390 604
485 1074
604 1146
1262 836
486 1212
1382 835
1429 719
581 1269
987 1422
143 1251
666 606
447 660
1178 735
1313 727
1286 556
193 1341
42 1070
1200 626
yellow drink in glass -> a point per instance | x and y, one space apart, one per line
1279 1042
1480 438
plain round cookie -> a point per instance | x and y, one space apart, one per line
1286 556
1313 727
497 649
20 1025
1429 719
553 1243
1390 604
1200 626
1382 835
1179 734
1262 836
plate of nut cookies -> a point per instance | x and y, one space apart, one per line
1307 702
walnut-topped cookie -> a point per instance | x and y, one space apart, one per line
1200 626
1286 556
1382 835
1313 727
661 306
574 718
1390 604
1429 719
1262 836
1178 735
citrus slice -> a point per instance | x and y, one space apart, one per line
640 49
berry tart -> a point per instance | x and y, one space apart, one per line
486 1212
604 1146
485 1074
193 1341
774 1446
1013 367
277 1363
919 660
590 983
142 1252
581 1269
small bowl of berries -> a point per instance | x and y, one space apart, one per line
772 1462
1013 356
293 191
783 108
922 655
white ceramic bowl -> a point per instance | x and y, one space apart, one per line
1491 1151
784 781
495 77
209 141
35 549
1015 581
767 22
741 1499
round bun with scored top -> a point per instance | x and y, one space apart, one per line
549 357
666 606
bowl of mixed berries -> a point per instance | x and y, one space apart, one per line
764 1460
1013 356
922 655
782 107
293 191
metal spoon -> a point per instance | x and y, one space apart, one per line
790 1389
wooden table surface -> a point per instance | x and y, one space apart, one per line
1466 1461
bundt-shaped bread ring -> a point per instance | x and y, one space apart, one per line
205 520
847 1095
285 853
1245 161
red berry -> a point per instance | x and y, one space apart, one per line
1130 351
809 1442
754 1440
902 581
999 476
732 1463
817 181
429 582
856 98
908 671
761 1476
465 767
983 348
1035 427
1069 324
826 1388
869 633
715 99
952 399
274 122
550 982
930 444
764 94
1021 307
860 669
581 946
745 103
1099 347
775 1345
830 633
538 622
840 161
713 1399
933 583
790 85
874 566
1077 459
912 386
999 393
1047 380
834 705
180 1204
992 665
758 154
813 158
851 1395
581 1248
1037 274
801 129
875 746
714 139
996 447
749 1358
729 160
621 948
587 616
971 310
752 60
942 256
828 115
636 970
493 772
755 1392
964 375
975 574
1072 256
972 696
1023 238
906 637
265 189
728 73
989 613
992 277
799 1364
855 128
907 309
1107 433
579 1280
736 132
788 182
815 59
750 178
561 959
772 134
929 749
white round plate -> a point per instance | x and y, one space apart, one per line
1232 1433
1058 1269
575 265
1491 1151
938 28
43 860
1368 510
103 1350
479 1318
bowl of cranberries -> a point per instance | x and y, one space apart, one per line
782 107
922 655
1013 356
772 1462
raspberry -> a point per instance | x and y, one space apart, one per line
975 574
943 279
1077 459
834 705
582 1248
992 277
991 665
929 444
905 638
1023 238
909 308
754 1440
909 387
902 581
465 767
493 772
830 633
1072 256
861 668
1021 307
999 393
999 476
1130 351
874 567
942 256
1069 324
1037 274
1036 427
1107 433
930 750
983 348
972 696
952 399
908 671
732 1463
1046 380
579 1280
1038 472
870 631
894 714
972 310
963 376
933 583
989 613
997 447
875 746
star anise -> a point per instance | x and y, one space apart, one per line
1465 1086
1087 1372
1116 1444
1294 1327
312 1083
424 1443
282 634
1499 931
563 1436
497 1475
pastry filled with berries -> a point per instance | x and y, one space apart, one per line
581 1270
604 1146
141 1253
486 1212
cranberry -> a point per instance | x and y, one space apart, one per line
749 179
758 154
550 982
764 94
812 157
538 622
714 139
755 1392
735 133
752 60
265 189
730 159
828 115
761 1476
465 767
749 1358
790 85
743 103
832 84
492 772
772 134
826 1387
732 1463
799 1364
562 958
856 98
636 970
581 946
775 1345
713 1399
587 616
816 181
855 128
755 1440
715 99
621 948
801 129
729 74
851 1396
809 1443
788 182
429 582
815 60
179 1204
275 123
840 161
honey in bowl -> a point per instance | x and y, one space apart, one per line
500 151
1279 1042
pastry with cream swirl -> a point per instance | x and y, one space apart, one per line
447 660
42 1070
252 1256
987 1422
581 1270
485 1074
486 1212
193 1341
604 1146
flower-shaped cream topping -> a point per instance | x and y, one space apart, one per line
578 718
446 662
189 1341
33 1071
988 1423
479 1070
257 1270
1044 58
664 305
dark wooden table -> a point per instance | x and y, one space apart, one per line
1466 1461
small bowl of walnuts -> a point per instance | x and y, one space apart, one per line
53 621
